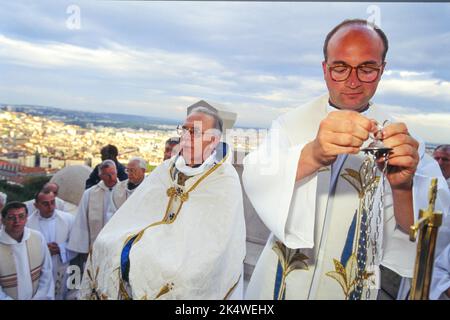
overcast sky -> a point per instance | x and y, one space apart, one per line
257 59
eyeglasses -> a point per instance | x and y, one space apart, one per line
444 159
194 131
365 72
131 170
15 218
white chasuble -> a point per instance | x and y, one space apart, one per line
170 241
317 249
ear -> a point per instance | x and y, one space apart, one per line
324 68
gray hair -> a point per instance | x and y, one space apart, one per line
106 164
141 161
218 122
3 198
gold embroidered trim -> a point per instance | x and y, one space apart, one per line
232 288
165 289
172 192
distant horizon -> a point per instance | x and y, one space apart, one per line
258 59
170 121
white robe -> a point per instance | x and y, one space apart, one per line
441 276
297 212
79 237
46 289
199 255
57 229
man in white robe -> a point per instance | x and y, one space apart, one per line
25 264
181 235
95 209
55 226
312 187
48 187
136 173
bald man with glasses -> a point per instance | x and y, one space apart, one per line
310 183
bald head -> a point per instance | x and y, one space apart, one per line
355 27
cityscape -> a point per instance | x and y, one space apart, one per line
39 145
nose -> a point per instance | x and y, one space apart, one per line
353 81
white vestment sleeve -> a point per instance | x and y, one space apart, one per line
441 276
269 181
46 288
399 253
79 236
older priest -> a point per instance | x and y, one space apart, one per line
181 235
95 209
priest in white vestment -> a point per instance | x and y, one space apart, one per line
55 226
314 189
95 209
25 264
48 187
135 169
181 235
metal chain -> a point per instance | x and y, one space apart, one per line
375 237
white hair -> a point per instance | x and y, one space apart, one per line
141 161
3 198
106 164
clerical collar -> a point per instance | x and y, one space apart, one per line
131 185
363 109
180 165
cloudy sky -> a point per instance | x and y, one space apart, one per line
257 59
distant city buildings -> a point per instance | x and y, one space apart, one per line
28 141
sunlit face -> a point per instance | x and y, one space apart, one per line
14 222
198 139
354 46
443 159
46 204
135 173
109 176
